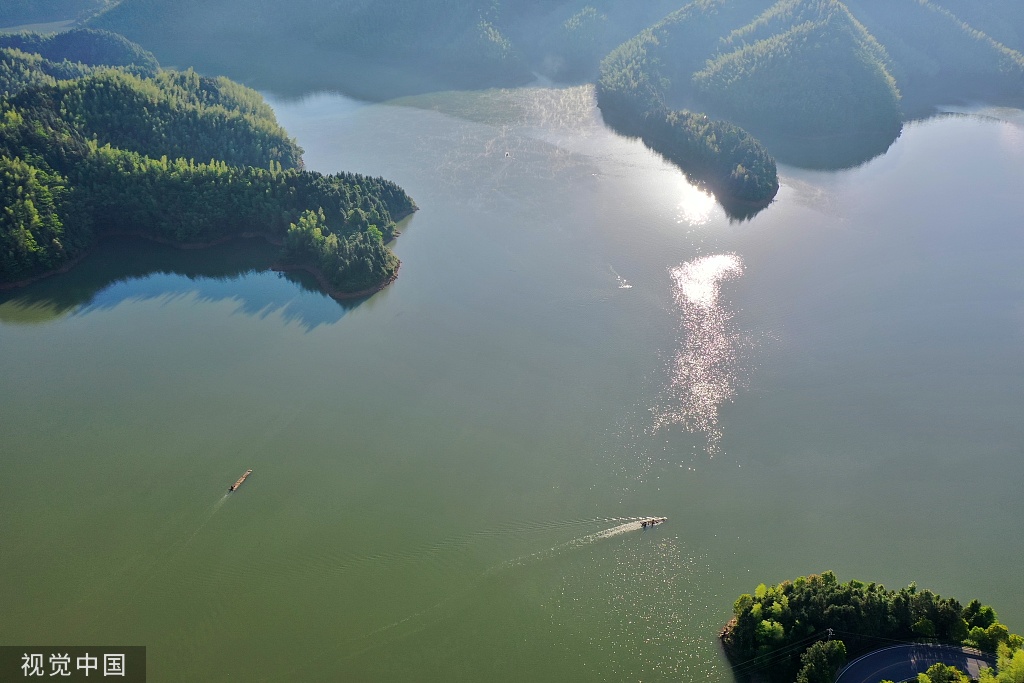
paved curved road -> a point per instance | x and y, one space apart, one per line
900 662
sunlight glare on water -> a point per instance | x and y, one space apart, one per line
647 605
696 206
703 372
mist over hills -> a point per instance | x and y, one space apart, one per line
383 49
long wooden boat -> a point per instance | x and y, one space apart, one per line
240 480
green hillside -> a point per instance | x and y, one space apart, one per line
172 113
20 71
638 96
90 150
383 48
17 12
938 58
822 82
802 68
1003 20
85 46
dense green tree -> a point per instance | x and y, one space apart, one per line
180 114
1009 664
861 615
348 262
821 662
19 71
717 154
32 231
942 673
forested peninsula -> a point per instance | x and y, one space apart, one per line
97 140
805 630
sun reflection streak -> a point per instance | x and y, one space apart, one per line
704 370
696 206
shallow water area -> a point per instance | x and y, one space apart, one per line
448 475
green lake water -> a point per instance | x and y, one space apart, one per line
577 338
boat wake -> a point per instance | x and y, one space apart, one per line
418 621
633 524
216 506
623 282
145 571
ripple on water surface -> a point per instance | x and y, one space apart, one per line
645 609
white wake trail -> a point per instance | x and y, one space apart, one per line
634 524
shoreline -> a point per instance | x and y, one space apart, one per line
186 246
280 267
17 284
325 286
6 286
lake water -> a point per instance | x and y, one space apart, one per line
578 338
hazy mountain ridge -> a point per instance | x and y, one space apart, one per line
403 45
826 72
825 83
1003 20
937 57
707 51
15 12
84 46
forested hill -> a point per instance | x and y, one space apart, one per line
820 70
85 46
382 48
826 64
938 56
802 68
88 150
17 12
172 113
934 49
1003 20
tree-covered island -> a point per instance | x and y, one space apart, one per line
97 140
805 630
